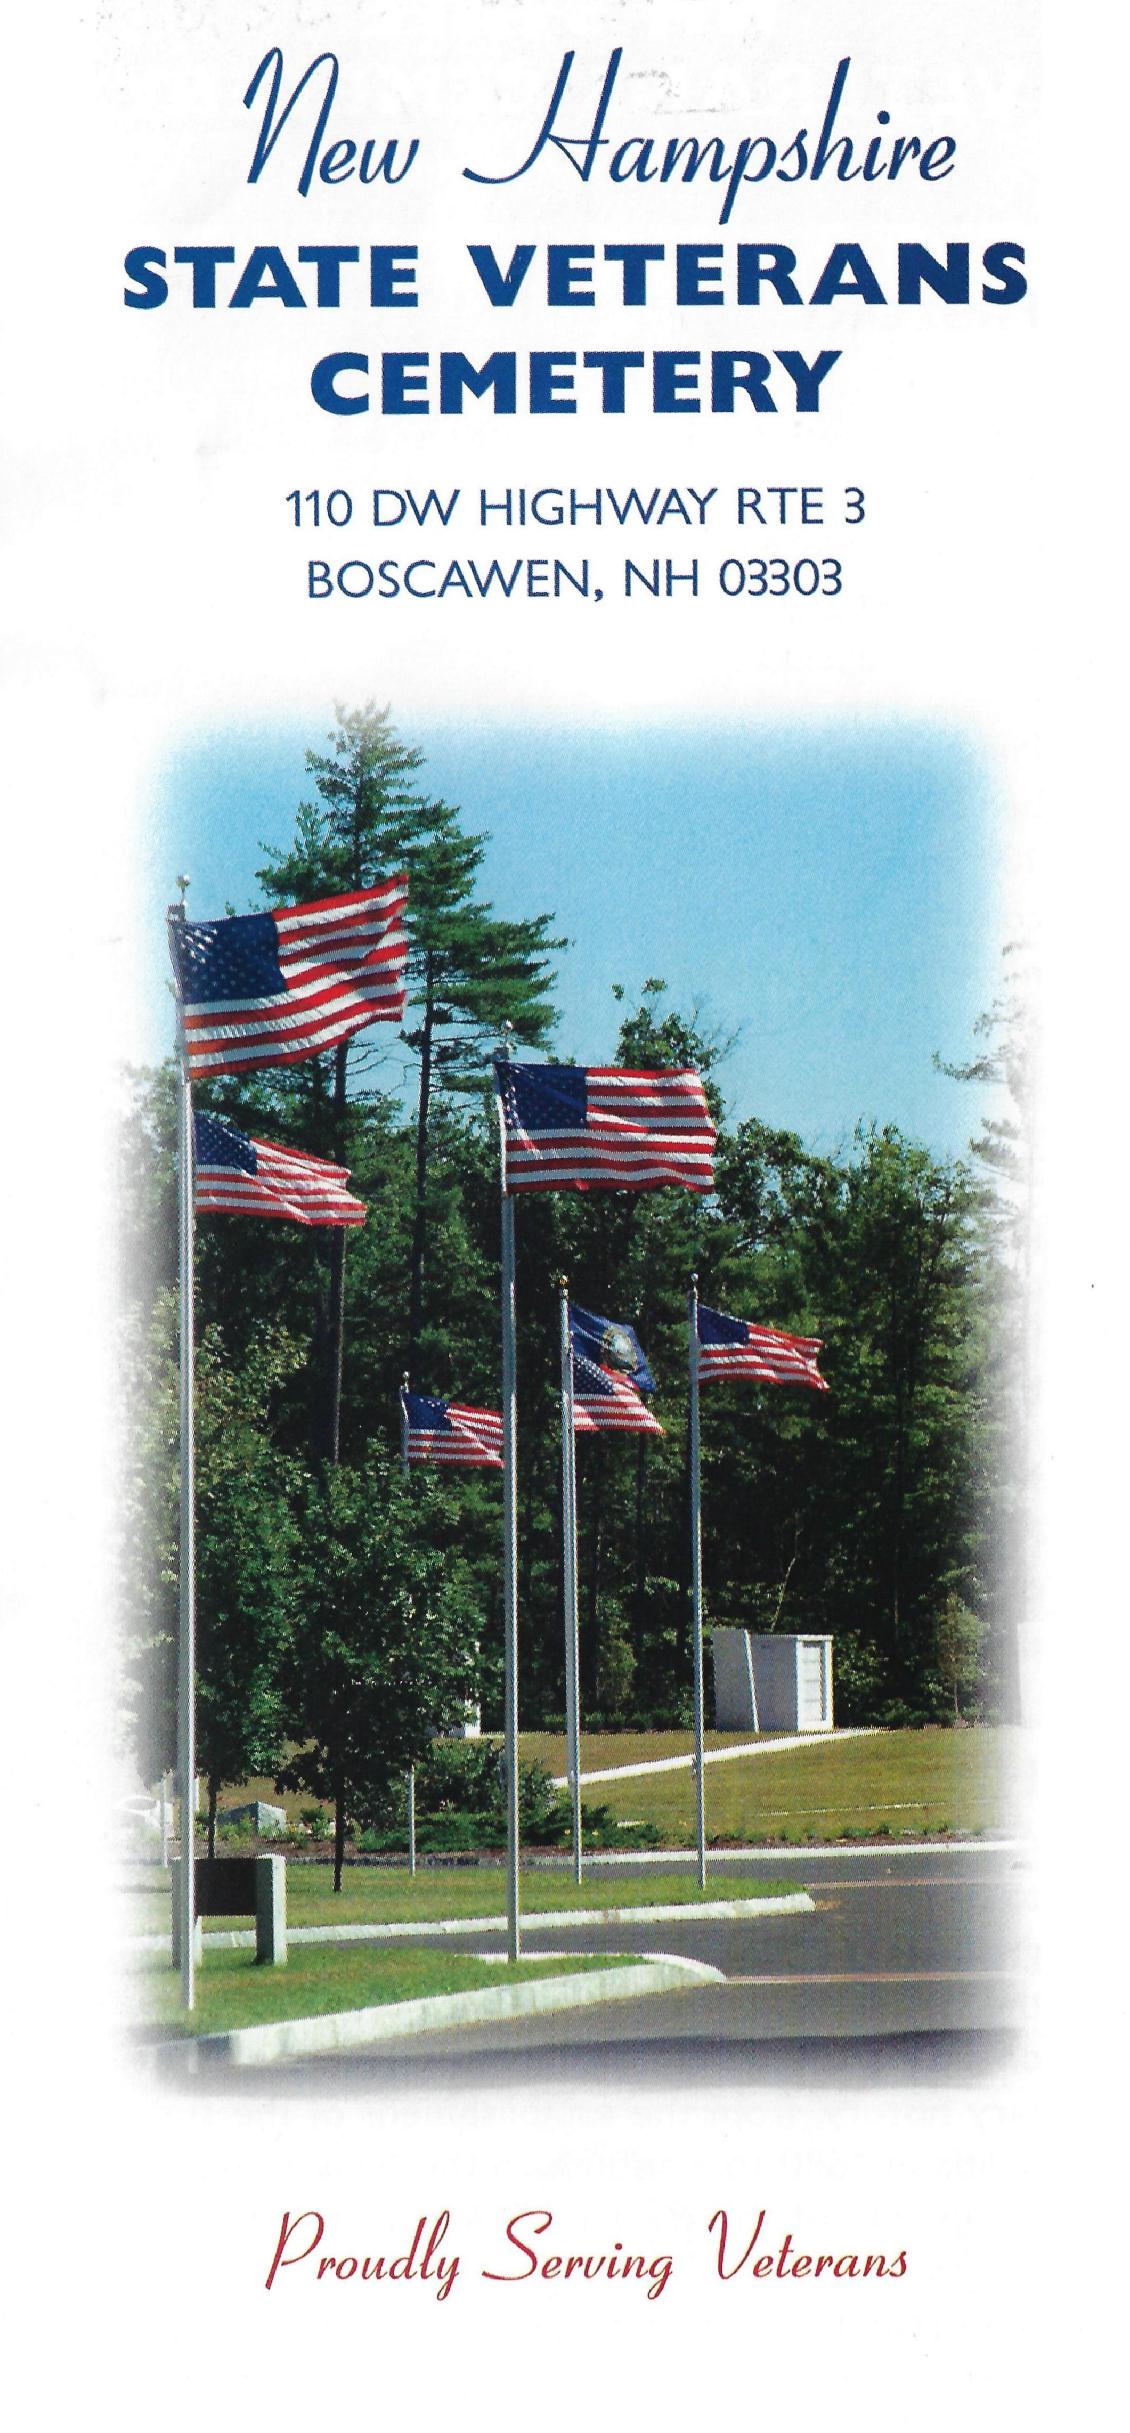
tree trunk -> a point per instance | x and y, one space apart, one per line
790 1567
213 1802
641 1539
420 1214
639 1602
339 1832
330 1445
590 1644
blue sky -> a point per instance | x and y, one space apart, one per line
827 891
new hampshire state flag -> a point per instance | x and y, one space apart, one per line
612 1345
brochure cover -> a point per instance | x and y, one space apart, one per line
557 559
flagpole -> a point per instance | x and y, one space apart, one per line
569 1577
696 1580
509 1532
186 1636
404 1469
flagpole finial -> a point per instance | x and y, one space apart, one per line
507 1048
694 1279
183 884
404 1381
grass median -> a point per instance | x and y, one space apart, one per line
391 1896
232 1991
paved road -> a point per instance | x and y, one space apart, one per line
913 1961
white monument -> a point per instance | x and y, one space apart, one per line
772 1681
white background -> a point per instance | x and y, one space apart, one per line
152 588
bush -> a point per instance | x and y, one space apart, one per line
317 1823
434 1834
461 1806
603 1831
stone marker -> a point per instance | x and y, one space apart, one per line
238 1888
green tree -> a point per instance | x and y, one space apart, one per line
384 1651
859 1512
1004 1066
1003 1069
907 1403
244 1555
957 1651
245 1550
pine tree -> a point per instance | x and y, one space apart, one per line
469 972
1002 1155
367 818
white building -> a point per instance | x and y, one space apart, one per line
772 1681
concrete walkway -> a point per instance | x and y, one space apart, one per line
720 1757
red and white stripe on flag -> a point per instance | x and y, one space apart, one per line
602 1400
736 1347
604 1128
453 1434
235 1175
274 987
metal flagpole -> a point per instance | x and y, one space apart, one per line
186 1640
569 1578
509 1535
696 1581
404 1469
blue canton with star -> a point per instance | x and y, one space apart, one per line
544 1097
218 1144
233 961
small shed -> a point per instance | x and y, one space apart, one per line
772 1681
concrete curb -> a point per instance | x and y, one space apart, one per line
239 1938
345 2031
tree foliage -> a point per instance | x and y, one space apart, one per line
384 1650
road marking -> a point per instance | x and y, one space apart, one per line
899 1883
893 1976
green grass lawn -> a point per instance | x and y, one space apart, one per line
390 1895
232 1991
933 1781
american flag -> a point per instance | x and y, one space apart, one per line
451 1433
612 1345
238 1176
735 1347
601 1399
600 1128
272 987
